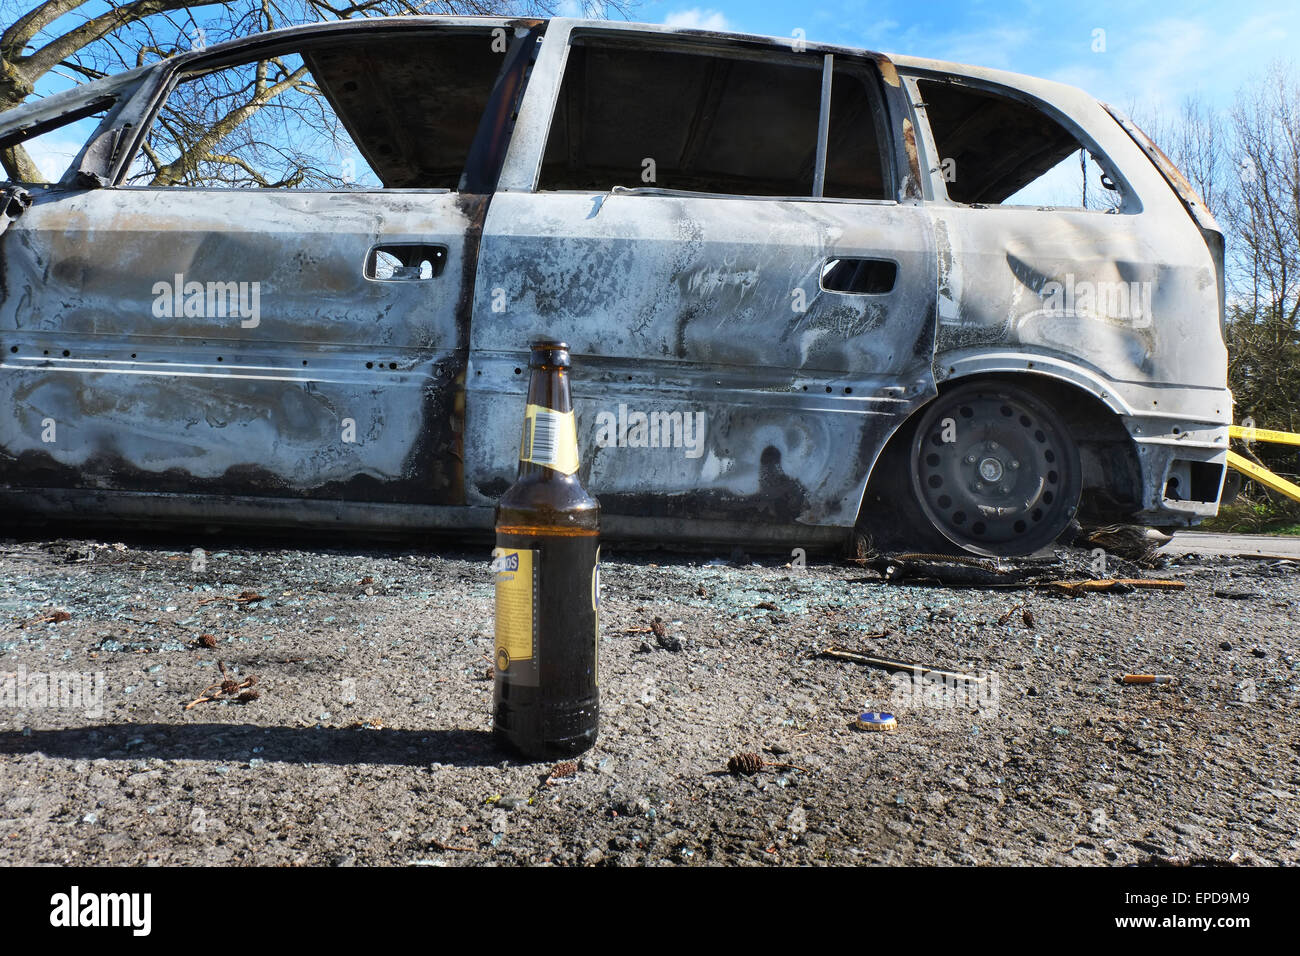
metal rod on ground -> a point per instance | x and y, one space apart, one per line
886 664
1109 584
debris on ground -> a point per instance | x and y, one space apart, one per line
439 845
1146 679
875 721
245 597
1114 585
663 638
974 775
843 653
56 617
747 763
561 771
1010 613
1065 566
227 688
952 570
1131 542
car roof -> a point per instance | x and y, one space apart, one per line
65 101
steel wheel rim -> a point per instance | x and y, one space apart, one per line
1007 484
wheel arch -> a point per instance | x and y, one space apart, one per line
1111 471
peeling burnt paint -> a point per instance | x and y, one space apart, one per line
138 396
677 302
671 302
429 474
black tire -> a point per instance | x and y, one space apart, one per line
890 520
994 470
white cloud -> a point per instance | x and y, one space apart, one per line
1163 61
698 19
995 47
53 156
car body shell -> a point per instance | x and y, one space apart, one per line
673 303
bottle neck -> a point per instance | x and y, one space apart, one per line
548 448
548 387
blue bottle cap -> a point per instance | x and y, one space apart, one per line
875 720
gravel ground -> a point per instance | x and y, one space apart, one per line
368 742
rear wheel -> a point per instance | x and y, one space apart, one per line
994 470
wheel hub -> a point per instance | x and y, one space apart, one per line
991 469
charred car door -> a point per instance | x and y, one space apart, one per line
272 300
728 236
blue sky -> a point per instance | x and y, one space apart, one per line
1155 54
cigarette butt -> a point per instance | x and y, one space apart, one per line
1148 679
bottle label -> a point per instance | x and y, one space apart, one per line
550 439
516 616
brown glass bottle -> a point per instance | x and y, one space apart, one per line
546 701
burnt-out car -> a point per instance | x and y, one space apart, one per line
291 280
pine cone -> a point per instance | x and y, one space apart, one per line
746 763
563 769
662 637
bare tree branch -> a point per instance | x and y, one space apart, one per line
40 62
16 38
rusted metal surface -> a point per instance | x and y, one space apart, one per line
673 303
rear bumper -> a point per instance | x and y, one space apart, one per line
1183 465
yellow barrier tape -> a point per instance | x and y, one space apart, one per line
1264 434
1263 476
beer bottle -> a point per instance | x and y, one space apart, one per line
546 701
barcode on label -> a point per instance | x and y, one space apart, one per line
546 432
